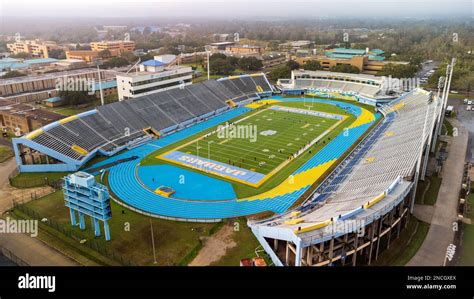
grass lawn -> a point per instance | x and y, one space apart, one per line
447 128
470 200
68 110
243 190
431 195
131 233
5 153
404 248
35 179
467 249
203 77
245 248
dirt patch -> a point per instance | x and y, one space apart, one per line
215 247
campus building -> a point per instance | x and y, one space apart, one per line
154 76
367 61
39 87
243 50
22 118
35 48
85 55
116 48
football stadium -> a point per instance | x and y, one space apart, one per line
312 161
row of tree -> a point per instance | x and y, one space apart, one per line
221 64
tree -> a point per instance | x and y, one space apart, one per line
21 55
234 61
129 56
84 47
74 98
293 65
398 70
312 65
104 54
218 55
273 45
12 74
57 53
345 68
250 63
220 66
115 62
282 72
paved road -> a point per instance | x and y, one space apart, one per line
32 250
441 234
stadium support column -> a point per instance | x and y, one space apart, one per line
106 231
298 255
73 217
96 227
356 245
82 223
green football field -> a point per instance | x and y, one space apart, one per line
244 190
262 141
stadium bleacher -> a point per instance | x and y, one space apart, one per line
113 126
389 152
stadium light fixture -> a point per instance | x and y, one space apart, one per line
208 52
98 62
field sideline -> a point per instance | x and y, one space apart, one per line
234 148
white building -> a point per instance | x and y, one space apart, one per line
154 76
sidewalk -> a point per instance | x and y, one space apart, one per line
33 251
441 234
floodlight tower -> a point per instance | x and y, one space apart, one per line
208 52
446 93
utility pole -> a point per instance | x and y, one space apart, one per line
153 243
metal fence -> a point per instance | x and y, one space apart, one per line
75 235
34 182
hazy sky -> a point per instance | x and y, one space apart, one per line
236 8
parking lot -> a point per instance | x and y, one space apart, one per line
467 118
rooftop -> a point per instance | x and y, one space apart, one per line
153 62
105 85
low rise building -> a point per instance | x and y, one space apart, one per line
35 88
84 55
35 48
116 47
367 61
22 118
154 76
243 50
